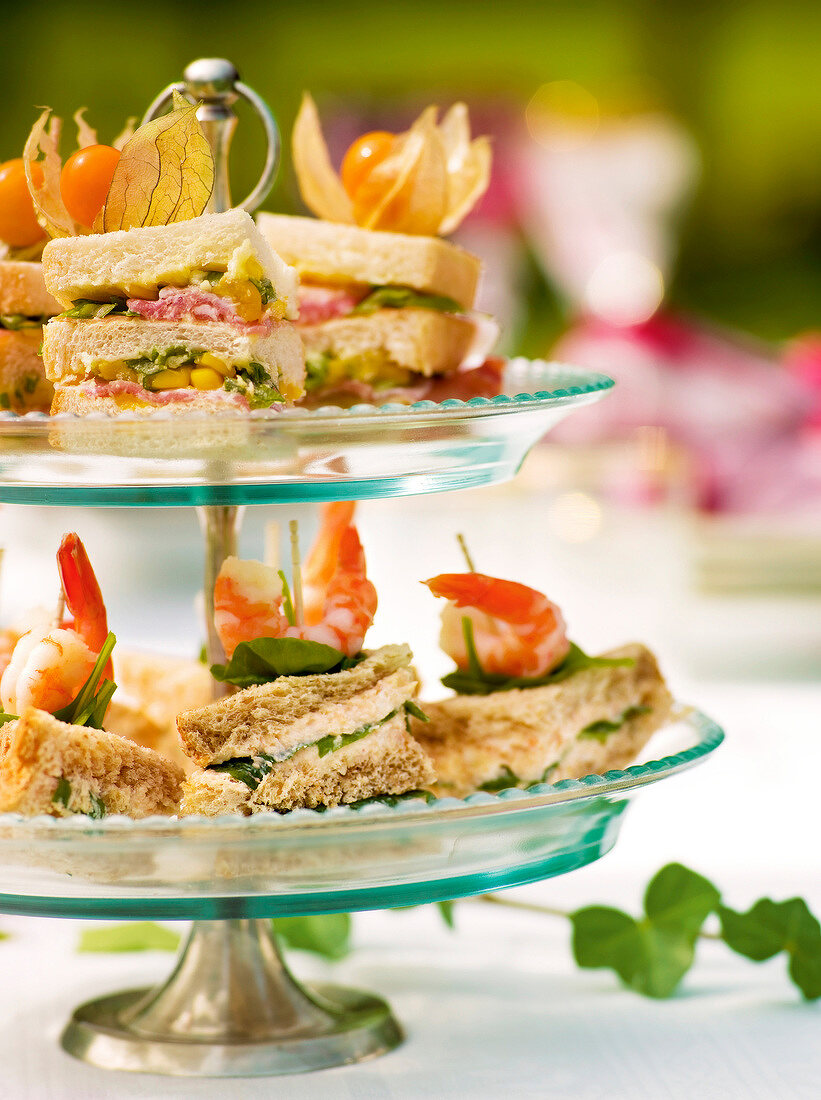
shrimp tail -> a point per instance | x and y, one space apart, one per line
83 596
508 600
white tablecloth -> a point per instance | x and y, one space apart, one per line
498 1008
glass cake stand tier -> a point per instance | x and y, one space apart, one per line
290 456
231 1007
375 856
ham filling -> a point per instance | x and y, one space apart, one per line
325 303
193 304
121 388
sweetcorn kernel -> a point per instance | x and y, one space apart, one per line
110 371
204 378
170 379
215 363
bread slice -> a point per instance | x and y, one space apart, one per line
73 350
49 767
137 263
386 761
293 711
535 734
420 340
23 290
23 385
152 690
325 252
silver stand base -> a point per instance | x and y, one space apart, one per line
231 1009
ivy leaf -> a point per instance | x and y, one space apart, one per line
446 909
770 927
134 936
264 659
326 934
653 954
165 173
680 900
603 936
649 959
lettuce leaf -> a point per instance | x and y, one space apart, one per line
475 681
404 297
265 659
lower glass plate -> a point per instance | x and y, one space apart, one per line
290 456
374 857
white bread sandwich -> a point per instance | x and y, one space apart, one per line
530 705
315 740
50 767
152 689
596 720
380 313
183 317
25 306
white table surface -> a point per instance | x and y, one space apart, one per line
498 1008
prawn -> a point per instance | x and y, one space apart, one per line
517 631
49 664
340 601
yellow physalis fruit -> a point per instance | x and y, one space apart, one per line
165 173
424 181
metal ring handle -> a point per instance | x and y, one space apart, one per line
227 95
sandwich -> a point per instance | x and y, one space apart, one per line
307 741
25 306
317 721
596 720
151 691
382 315
385 303
191 316
530 706
56 768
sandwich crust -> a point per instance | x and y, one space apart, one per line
533 733
137 262
327 252
23 290
23 386
101 771
420 340
72 348
293 711
386 761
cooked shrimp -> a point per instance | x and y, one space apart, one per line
323 558
49 665
517 631
8 640
248 596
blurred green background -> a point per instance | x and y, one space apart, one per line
743 77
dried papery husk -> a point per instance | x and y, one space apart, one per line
165 173
125 135
43 165
320 186
86 135
412 182
469 164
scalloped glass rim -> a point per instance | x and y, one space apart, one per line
480 804
592 382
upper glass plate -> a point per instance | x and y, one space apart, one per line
373 857
290 456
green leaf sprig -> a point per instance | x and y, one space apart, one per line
474 680
404 297
265 659
91 702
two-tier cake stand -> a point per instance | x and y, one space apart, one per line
230 1006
